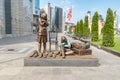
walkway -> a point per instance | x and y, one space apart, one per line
11 65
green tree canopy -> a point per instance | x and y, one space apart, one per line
77 29
81 28
108 30
86 30
94 30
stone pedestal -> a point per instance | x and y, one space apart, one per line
71 61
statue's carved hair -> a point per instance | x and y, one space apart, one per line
63 38
41 12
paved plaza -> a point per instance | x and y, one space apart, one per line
12 64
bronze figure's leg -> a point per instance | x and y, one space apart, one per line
44 45
44 40
62 51
39 50
44 50
39 47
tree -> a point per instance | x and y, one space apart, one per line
77 29
81 28
108 30
94 30
86 30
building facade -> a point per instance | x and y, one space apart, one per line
68 25
100 24
116 24
55 17
2 19
22 17
36 7
17 17
89 20
59 19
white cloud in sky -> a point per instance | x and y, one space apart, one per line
66 4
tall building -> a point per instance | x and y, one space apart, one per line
89 19
18 17
22 19
116 25
2 19
59 19
55 17
100 24
36 13
36 7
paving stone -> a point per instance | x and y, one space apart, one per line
109 68
10 71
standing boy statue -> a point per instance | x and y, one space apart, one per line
42 34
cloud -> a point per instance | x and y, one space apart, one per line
66 4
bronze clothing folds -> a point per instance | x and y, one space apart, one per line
42 27
42 38
42 33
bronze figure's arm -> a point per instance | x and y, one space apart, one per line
40 22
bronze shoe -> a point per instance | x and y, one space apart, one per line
50 54
54 55
63 57
44 55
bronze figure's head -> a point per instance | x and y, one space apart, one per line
44 16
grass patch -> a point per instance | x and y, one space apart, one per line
115 48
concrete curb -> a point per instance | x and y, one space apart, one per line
107 50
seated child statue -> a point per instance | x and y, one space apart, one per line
65 44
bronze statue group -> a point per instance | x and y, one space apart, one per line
42 39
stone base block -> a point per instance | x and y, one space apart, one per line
71 61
